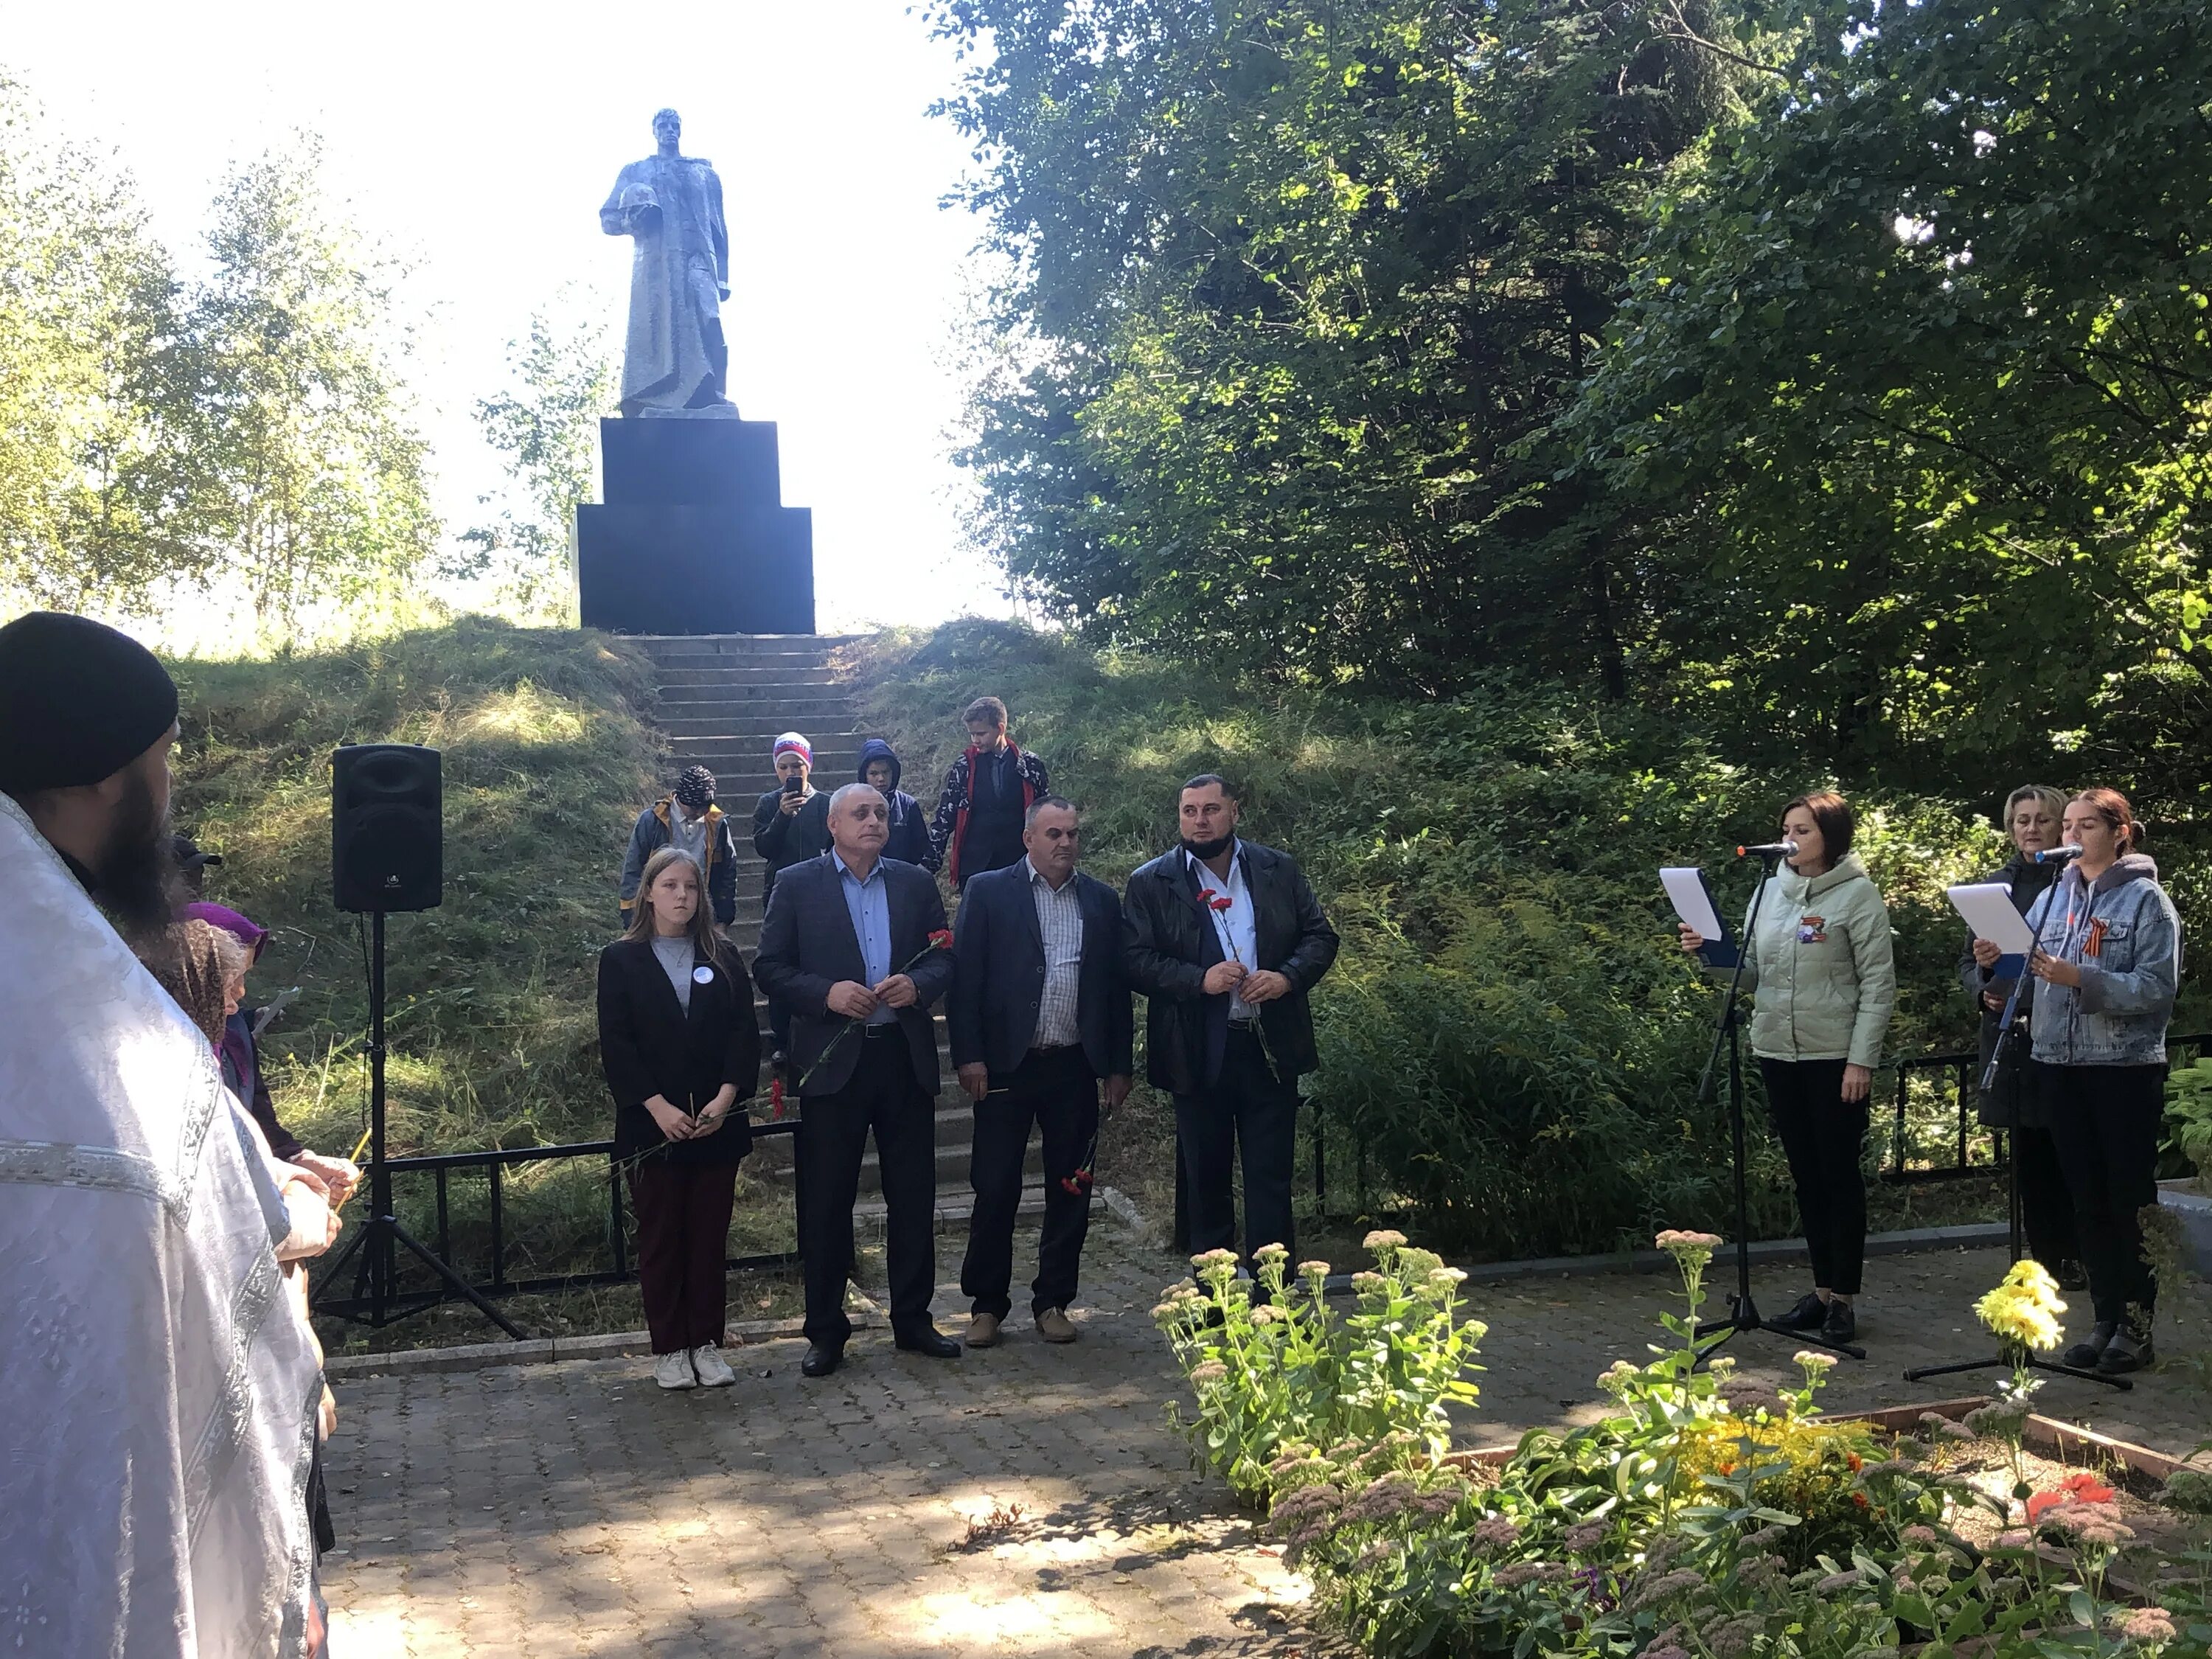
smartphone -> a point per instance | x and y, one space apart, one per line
792 786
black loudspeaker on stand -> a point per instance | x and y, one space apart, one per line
1743 1312
387 854
2010 1036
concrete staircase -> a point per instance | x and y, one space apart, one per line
724 700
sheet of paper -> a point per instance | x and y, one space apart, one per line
1988 911
1687 888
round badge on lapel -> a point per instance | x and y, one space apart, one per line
702 975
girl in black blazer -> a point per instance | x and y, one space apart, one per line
681 1045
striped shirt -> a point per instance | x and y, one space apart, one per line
1060 924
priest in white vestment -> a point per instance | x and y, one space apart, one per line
158 1391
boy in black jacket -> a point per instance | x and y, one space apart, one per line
909 841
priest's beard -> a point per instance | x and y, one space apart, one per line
137 879
1204 850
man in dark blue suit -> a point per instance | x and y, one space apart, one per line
848 946
1042 1029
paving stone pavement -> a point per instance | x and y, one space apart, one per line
1024 1500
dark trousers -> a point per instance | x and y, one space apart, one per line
2105 1122
1056 1090
1249 1107
881 1096
2046 1208
1824 1136
683 1248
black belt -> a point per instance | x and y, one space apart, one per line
886 1029
1053 1048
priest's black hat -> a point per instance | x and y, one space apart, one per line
79 702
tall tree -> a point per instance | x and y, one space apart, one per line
563 379
1916 385
1300 286
90 428
312 478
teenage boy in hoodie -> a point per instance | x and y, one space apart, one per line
687 817
987 797
909 842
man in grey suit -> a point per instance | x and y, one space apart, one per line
856 944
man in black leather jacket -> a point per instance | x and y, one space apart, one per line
1226 939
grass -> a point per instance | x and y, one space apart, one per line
547 758
491 1030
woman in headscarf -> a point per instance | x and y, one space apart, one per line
240 1053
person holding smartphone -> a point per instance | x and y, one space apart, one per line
2107 962
681 1048
1821 964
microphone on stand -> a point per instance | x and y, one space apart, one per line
1773 849
2057 855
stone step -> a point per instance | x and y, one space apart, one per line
838 752
745 727
955 1205
740 649
956 1124
797 681
773 1160
823 706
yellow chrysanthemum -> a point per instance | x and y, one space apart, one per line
2025 1309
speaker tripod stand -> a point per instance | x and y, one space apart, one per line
377 1300
1743 1313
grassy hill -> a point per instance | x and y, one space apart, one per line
547 756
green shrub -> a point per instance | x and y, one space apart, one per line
1700 1517
2189 1116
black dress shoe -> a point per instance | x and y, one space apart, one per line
822 1359
2083 1356
1806 1315
930 1340
1841 1326
2072 1275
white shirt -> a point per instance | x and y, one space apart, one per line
1236 927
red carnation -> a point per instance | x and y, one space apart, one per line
941 940
1220 902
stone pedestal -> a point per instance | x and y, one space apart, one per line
693 536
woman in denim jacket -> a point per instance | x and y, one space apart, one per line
2109 956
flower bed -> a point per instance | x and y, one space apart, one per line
1703 1517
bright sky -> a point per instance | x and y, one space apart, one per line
477 139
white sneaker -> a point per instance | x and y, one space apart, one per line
673 1370
713 1370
